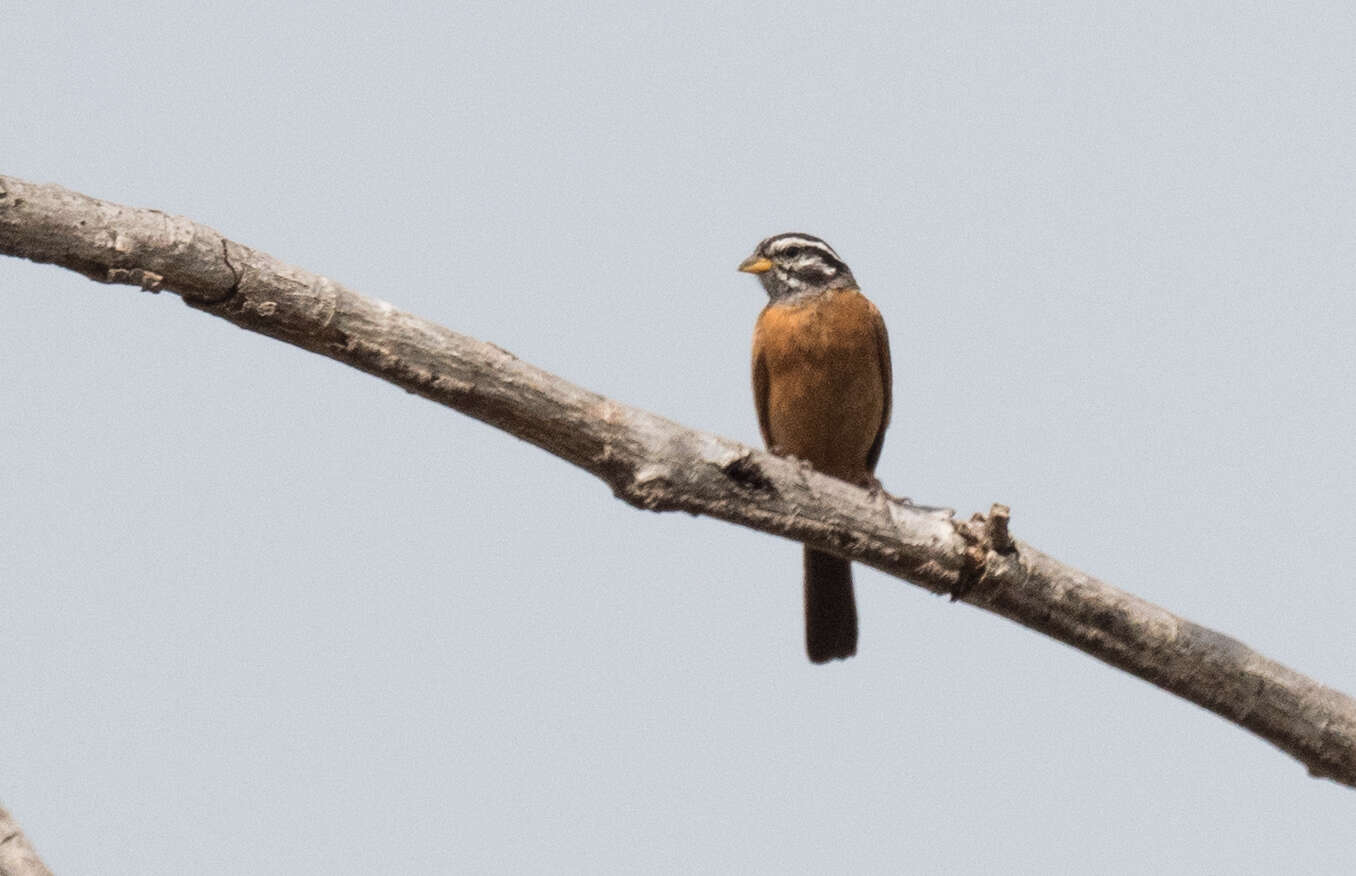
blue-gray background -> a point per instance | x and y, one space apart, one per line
263 613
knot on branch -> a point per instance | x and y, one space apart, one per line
983 535
745 471
650 487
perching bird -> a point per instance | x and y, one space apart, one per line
821 384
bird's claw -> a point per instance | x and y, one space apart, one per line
877 491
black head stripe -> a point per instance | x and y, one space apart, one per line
794 247
781 242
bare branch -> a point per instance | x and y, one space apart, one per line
655 464
17 857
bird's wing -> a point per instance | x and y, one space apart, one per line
886 381
760 386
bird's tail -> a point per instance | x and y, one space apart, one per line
830 610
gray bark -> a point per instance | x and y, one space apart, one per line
658 465
17 857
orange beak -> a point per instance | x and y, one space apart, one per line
755 264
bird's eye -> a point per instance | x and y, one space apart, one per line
791 252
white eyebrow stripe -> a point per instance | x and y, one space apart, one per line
782 244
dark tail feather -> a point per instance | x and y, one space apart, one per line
830 610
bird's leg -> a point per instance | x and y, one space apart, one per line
877 490
803 464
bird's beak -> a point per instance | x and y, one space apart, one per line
755 264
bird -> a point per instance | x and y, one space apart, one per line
822 390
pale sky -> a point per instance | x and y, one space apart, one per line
266 614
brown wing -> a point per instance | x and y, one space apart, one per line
886 381
760 382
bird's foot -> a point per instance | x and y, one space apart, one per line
802 464
877 491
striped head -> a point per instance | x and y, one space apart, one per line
792 265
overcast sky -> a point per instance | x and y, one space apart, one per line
265 613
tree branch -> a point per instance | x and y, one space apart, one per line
17 857
656 464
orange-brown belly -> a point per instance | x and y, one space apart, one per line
825 398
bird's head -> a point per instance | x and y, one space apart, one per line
793 264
